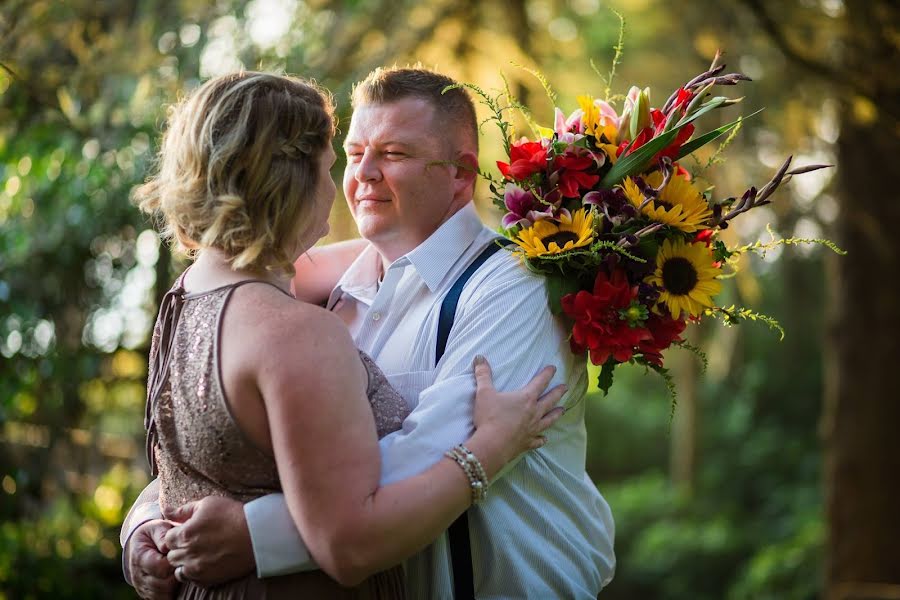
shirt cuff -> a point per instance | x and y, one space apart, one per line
277 546
140 515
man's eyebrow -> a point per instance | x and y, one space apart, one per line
397 143
348 143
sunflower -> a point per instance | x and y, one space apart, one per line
546 237
686 274
679 204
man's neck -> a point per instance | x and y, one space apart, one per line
391 250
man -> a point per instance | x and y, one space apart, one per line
544 530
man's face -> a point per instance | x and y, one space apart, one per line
396 194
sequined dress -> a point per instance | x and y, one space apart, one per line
199 450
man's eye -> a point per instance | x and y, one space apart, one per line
393 153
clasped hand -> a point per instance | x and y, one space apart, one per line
206 542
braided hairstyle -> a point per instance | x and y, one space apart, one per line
237 166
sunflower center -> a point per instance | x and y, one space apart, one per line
561 238
659 202
679 276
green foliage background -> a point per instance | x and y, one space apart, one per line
83 89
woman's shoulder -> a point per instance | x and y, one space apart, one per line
271 313
284 345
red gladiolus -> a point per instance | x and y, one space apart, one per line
672 149
599 327
525 159
664 330
648 133
683 99
704 236
643 136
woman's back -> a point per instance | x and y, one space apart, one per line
203 448
202 451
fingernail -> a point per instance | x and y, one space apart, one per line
479 360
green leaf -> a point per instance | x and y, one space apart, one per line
706 138
704 108
605 379
557 287
637 161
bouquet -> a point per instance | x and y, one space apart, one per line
603 205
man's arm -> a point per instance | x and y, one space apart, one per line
278 548
144 509
504 318
318 270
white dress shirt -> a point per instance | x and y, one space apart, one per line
544 530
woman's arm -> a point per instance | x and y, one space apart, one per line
320 268
326 449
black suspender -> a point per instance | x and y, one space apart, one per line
460 546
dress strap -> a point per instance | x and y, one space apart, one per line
238 284
169 313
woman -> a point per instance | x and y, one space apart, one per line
253 392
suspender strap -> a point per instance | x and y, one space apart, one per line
448 306
461 558
458 533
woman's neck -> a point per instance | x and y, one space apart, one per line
211 269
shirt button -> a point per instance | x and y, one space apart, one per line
376 316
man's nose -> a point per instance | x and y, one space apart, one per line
368 169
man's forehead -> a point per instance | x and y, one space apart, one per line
400 120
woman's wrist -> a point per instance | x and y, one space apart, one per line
473 469
492 455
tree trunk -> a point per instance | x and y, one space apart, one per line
862 403
683 458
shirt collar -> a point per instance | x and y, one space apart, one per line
433 258
360 280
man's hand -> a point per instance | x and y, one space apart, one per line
212 544
151 574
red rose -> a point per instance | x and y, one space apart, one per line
525 159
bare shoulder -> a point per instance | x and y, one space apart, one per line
274 325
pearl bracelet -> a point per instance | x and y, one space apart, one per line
473 469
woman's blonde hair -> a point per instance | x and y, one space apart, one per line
238 167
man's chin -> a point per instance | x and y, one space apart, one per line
373 228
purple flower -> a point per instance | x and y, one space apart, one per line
525 208
613 204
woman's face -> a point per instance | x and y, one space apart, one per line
323 199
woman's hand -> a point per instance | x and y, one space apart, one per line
514 421
210 542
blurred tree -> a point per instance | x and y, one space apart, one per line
861 450
83 86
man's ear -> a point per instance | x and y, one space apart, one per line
466 171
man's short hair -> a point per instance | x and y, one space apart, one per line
389 84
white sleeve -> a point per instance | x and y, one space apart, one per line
145 508
505 319
277 545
